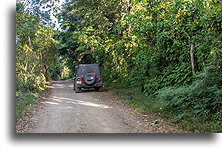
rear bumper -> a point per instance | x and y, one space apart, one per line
89 86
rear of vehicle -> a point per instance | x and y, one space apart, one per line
87 76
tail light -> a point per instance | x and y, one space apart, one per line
80 79
98 79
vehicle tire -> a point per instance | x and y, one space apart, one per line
77 89
89 78
99 89
74 86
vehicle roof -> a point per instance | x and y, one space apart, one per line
80 65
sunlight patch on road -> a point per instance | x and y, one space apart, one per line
53 103
61 99
67 107
57 99
50 86
91 104
66 101
56 86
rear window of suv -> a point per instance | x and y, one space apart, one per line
85 69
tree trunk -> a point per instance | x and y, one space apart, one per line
192 58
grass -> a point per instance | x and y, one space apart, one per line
136 99
24 102
149 104
130 96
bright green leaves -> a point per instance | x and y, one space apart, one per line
36 55
35 50
148 39
27 48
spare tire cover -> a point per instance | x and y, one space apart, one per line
89 78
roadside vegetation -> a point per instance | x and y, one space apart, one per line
144 49
36 54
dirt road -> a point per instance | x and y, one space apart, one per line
64 111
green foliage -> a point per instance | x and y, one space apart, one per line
36 54
199 101
146 44
24 100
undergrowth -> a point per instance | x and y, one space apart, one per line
24 102
195 107
28 89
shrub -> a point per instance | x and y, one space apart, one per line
200 101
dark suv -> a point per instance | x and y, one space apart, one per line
87 76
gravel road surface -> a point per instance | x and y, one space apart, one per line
64 111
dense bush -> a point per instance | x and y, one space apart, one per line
200 101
